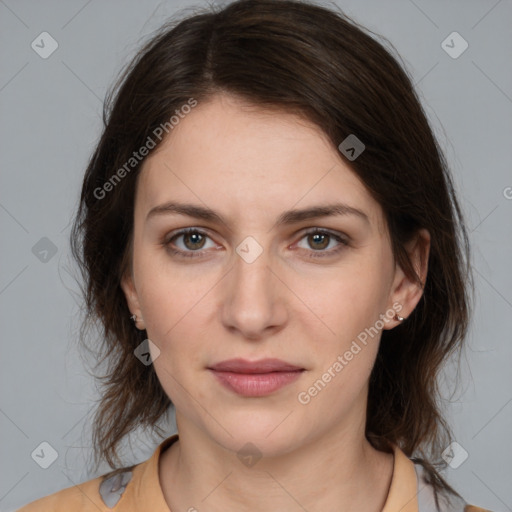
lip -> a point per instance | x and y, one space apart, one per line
255 378
260 366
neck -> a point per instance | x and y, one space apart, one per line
338 469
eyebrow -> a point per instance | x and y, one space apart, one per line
286 218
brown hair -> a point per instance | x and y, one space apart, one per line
305 59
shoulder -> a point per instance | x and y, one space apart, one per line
432 498
101 493
127 489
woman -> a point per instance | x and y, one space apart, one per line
270 237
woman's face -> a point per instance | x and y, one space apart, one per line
261 276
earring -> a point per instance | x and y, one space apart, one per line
399 318
134 318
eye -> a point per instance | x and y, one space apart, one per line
193 243
320 239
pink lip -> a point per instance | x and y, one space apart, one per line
256 378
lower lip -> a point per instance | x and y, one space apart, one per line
256 384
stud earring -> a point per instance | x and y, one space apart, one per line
399 318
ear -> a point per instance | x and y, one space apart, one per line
406 292
132 299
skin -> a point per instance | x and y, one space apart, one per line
250 165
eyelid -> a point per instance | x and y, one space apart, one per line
327 231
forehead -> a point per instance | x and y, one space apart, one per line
245 161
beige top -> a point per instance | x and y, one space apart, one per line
138 489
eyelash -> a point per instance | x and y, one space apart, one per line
197 254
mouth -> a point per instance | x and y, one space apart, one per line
255 378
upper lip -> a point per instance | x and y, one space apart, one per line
260 366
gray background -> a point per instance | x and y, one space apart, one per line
50 121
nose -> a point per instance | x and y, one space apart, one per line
254 300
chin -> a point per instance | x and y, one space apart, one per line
265 433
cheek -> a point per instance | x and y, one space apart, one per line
345 354
174 309
349 300
168 293
177 309
173 312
